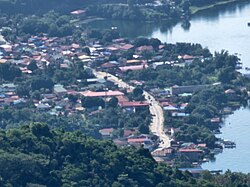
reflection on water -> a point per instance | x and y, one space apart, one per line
236 128
135 29
221 11
132 29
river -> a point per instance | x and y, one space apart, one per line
220 28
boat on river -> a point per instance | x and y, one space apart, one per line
229 144
216 131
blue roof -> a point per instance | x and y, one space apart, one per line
192 170
170 108
2 95
38 43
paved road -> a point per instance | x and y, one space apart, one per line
157 124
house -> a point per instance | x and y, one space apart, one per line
144 48
156 64
122 98
128 132
108 65
202 145
42 107
126 47
108 93
133 68
106 132
128 104
194 155
215 121
6 47
77 12
49 96
183 106
194 171
19 103
170 108
95 80
230 91
232 95
132 106
188 59
176 90
7 102
10 87
2 61
118 40
59 90
179 114
134 61
138 83
120 143
165 153
142 141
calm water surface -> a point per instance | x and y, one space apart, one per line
216 29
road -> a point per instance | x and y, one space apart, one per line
157 124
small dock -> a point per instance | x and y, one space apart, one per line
216 171
228 144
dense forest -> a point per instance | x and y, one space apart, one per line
115 9
33 155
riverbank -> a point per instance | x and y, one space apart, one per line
195 10
236 128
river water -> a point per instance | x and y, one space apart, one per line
220 28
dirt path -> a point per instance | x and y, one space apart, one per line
157 124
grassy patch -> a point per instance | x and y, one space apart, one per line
195 9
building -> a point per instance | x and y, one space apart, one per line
165 154
133 68
106 132
108 93
194 171
194 155
59 90
128 104
142 141
176 90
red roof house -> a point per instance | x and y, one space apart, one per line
108 93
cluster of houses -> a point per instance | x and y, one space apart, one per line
50 51
8 96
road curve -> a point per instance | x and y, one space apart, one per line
157 124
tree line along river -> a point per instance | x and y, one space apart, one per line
226 28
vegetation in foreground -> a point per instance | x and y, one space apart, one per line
34 155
